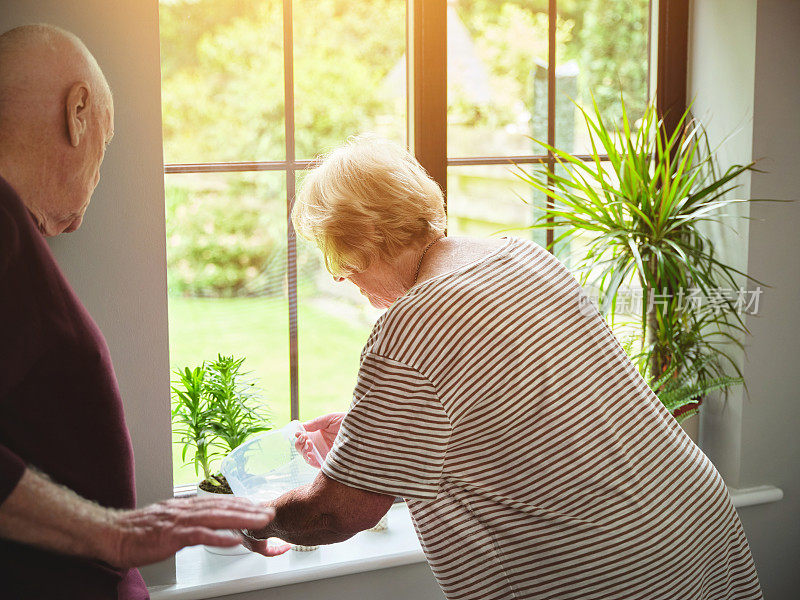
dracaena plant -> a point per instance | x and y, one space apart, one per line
642 213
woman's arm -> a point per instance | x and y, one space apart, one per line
323 512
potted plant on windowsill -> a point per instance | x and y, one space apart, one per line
215 410
643 210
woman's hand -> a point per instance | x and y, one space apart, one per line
320 432
263 547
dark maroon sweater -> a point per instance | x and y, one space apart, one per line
60 411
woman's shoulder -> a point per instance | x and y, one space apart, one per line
463 256
453 254
416 317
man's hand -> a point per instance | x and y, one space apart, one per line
321 432
42 513
151 534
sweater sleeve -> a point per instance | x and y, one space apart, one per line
24 334
12 468
394 438
11 353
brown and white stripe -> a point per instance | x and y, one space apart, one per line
535 460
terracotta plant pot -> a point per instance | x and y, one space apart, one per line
692 427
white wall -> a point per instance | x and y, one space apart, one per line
411 582
744 77
116 261
770 436
721 71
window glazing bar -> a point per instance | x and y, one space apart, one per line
237 167
511 160
291 245
552 18
673 40
426 43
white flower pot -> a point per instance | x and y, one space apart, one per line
225 550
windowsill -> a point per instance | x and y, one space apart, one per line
763 494
201 574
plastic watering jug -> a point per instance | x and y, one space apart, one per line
269 465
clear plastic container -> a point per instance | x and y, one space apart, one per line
269 465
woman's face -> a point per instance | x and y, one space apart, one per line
380 283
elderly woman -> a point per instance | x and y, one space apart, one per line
483 399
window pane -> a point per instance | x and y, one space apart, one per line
226 269
349 71
496 77
334 322
486 200
222 80
603 54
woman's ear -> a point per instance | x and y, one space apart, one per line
78 104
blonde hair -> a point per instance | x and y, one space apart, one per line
367 199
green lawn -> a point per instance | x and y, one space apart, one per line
257 328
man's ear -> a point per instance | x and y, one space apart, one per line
78 104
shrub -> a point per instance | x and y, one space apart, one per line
225 240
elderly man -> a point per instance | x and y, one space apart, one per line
68 528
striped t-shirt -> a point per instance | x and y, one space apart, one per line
535 460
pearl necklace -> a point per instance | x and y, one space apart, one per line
419 264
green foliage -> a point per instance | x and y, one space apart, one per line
222 89
606 38
214 411
509 38
611 45
681 394
643 212
236 413
222 75
225 239
223 100
191 418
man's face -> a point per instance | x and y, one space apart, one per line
85 174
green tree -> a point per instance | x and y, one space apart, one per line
222 75
613 56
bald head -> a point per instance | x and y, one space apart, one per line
38 63
56 116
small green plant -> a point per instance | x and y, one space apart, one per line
681 394
236 414
215 410
191 418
